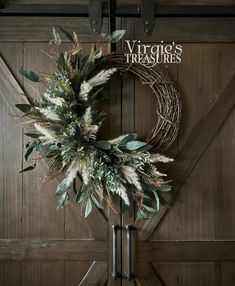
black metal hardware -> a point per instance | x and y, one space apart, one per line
73 10
129 274
95 15
115 273
147 15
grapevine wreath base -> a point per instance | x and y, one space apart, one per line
65 122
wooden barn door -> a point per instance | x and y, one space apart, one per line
39 245
193 243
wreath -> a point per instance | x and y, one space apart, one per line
65 122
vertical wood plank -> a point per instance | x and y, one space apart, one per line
40 217
185 274
43 273
201 218
212 65
227 139
227 273
10 273
10 155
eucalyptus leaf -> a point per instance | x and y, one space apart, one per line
145 148
117 35
31 75
88 208
31 167
38 146
33 135
62 62
165 188
84 63
157 200
135 145
163 201
96 203
29 150
152 210
79 197
56 36
129 137
81 194
105 145
142 215
24 107
62 187
68 35
63 201
52 148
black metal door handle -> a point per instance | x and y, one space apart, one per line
115 274
129 274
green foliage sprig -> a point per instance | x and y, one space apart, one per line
65 124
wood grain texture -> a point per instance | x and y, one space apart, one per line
199 88
185 274
200 30
53 250
227 273
96 275
75 271
10 273
43 229
11 157
39 29
185 251
166 29
193 149
40 273
11 153
227 140
147 276
201 219
39 201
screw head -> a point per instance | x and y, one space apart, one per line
146 22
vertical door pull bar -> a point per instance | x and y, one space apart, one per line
115 275
129 274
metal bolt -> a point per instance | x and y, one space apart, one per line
146 30
94 22
146 22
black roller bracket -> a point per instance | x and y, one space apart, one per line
147 10
95 15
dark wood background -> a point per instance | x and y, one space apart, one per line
204 212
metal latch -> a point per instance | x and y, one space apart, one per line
95 15
147 10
